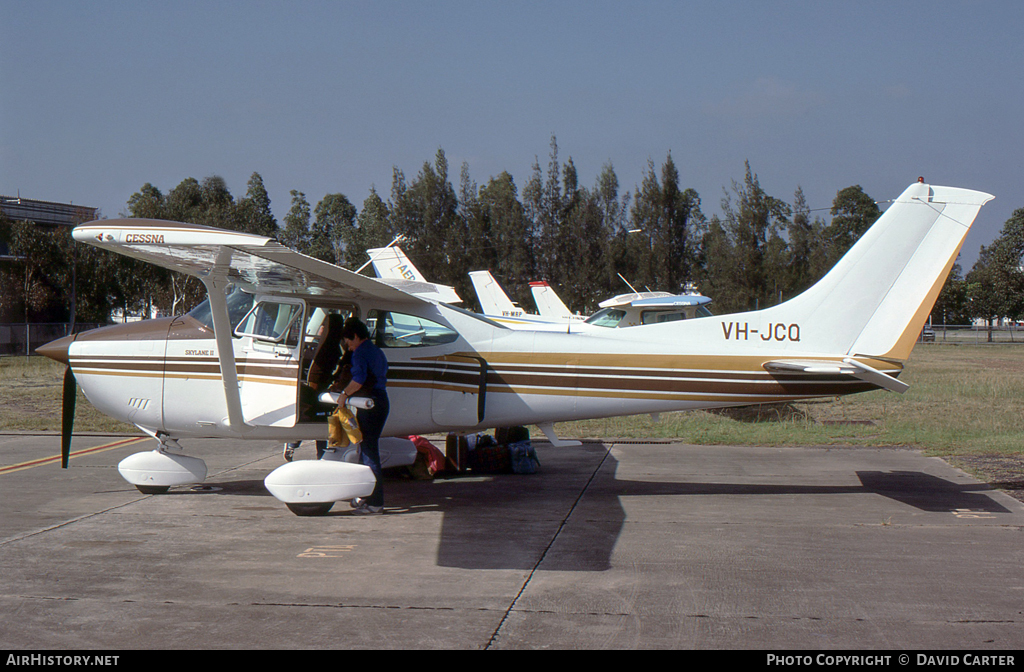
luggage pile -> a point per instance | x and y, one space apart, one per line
509 451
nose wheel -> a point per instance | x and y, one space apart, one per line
309 509
155 471
153 489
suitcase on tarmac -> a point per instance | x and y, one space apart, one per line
491 459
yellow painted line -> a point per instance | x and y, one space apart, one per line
56 458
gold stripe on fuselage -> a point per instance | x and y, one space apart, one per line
715 379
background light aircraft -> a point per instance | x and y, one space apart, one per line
496 305
391 264
625 310
549 304
234 366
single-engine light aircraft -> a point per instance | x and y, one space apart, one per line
234 366
624 310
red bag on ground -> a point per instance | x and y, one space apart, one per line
434 457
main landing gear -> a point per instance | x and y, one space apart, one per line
307 487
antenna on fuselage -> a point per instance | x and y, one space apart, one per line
627 283
399 238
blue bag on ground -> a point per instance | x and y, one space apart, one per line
524 457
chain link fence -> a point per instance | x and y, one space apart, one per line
19 338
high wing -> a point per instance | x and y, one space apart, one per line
257 263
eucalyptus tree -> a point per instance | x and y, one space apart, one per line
745 252
995 284
296 223
253 211
334 218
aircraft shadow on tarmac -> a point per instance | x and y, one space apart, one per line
505 521
471 539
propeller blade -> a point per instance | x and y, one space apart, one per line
67 419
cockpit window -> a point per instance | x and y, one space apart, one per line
389 329
660 316
606 317
239 303
272 321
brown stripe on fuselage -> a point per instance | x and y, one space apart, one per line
256 370
694 377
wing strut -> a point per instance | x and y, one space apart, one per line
216 288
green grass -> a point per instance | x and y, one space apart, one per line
963 400
30 399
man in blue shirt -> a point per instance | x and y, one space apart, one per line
369 379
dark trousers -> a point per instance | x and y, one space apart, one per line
371 424
321 446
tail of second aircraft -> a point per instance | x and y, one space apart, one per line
391 262
549 304
392 266
876 299
493 300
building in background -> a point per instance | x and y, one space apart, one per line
22 330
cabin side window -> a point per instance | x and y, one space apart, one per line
660 316
389 329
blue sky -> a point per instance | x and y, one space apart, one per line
99 97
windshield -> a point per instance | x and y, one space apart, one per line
239 303
606 317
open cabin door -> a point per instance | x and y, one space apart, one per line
321 351
267 354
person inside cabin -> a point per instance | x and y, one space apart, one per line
321 373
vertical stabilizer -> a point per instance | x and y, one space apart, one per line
391 265
877 297
549 304
391 262
493 300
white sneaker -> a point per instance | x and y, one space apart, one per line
366 510
289 452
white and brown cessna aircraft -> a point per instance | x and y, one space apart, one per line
233 367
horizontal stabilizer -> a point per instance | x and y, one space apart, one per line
430 291
845 366
876 377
